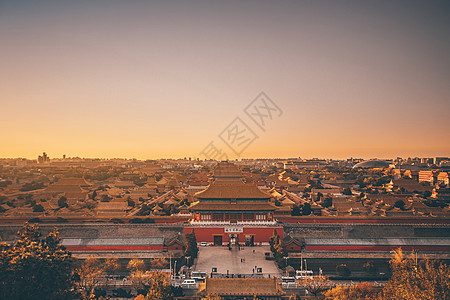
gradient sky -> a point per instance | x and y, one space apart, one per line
160 79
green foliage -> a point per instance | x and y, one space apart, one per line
62 202
38 208
319 196
400 204
347 191
191 245
36 268
106 198
327 201
343 270
5 183
369 267
278 249
32 186
295 211
306 210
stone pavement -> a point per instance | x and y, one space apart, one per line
225 260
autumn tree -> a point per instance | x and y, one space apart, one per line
90 273
316 285
112 265
360 291
343 270
369 267
212 297
138 275
136 264
278 249
159 287
36 268
417 279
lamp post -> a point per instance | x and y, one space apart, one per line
189 267
286 258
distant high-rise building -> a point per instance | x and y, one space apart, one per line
43 159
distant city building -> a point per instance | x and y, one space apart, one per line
43 159
369 164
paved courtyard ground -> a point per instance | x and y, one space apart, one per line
230 261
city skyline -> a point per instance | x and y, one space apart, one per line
156 80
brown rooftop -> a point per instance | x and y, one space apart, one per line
241 287
225 169
232 191
217 206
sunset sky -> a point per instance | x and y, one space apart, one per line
161 79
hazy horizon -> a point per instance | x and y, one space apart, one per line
151 80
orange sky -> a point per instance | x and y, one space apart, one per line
157 80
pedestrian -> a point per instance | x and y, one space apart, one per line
253 270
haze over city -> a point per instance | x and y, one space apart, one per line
159 80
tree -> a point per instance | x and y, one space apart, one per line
343 270
159 287
306 211
277 248
360 291
369 267
5 183
112 265
413 279
105 198
136 264
319 196
213 297
316 285
36 268
295 211
426 194
327 201
38 208
191 245
90 273
62 202
274 240
347 191
400 204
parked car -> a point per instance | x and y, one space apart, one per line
288 282
189 283
204 244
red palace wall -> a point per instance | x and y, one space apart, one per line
261 234
114 248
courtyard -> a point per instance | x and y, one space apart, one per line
244 261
